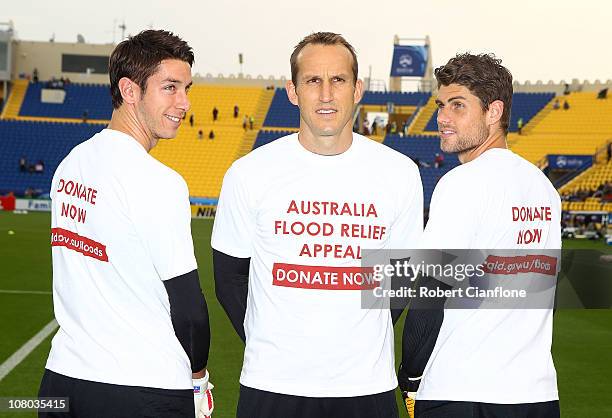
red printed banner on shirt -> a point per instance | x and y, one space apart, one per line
323 277
88 247
541 264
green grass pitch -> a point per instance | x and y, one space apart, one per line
582 344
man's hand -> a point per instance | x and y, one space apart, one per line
202 397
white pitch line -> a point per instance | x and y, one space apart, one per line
25 292
19 355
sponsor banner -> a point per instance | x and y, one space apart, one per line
409 61
323 277
73 241
203 211
569 162
40 205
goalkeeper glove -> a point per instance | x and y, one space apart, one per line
409 389
202 397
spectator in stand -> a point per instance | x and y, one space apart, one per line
200 134
39 167
366 127
251 122
245 120
566 90
566 105
519 125
438 160
375 127
35 75
393 127
215 114
603 94
211 135
23 164
556 105
191 120
236 111
85 116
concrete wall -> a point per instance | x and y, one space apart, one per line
245 80
559 87
47 58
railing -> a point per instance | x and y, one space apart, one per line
542 163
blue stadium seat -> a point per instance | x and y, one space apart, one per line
93 98
424 149
46 141
397 98
524 105
265 137
282 114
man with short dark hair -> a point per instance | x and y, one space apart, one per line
292 220
134 332
482 362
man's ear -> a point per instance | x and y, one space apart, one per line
495 112
291 93
358 91
130 91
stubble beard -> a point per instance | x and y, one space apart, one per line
465 143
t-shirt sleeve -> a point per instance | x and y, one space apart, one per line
453 215
407 228
234 225
164 225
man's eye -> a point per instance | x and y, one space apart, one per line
338 79
313 80
457 105
170 88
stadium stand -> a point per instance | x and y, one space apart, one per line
46 141
524 105
95 99
282 114
203 162
589 191
397 98
582 129
422 118
15 99
423 148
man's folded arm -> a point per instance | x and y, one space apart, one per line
232 287
189 315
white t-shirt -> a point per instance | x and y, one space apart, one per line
120 226
492 355
304 219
